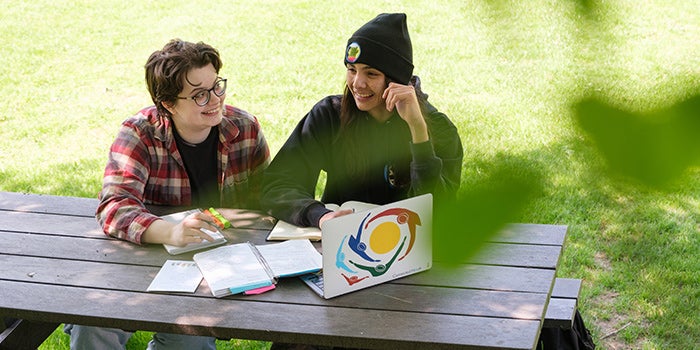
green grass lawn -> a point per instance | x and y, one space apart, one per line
507 73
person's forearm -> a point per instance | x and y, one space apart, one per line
419 131
157 232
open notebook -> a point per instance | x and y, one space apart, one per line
284 230
374 246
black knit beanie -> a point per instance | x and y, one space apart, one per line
383 43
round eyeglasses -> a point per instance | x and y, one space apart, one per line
203 96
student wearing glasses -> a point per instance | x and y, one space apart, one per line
188 150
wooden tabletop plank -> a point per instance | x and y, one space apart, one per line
88 249
248 319
48 204
50 224
83 227
504 278
533 234
77 273
99 249
80 226
387 296
117 251
528 255
523 255
10 201
418 298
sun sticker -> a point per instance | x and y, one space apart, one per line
384 237
381 240
353 52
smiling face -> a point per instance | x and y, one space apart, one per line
367 85
194 122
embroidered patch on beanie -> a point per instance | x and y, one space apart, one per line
353 52
384 44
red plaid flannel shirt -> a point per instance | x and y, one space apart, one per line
145 167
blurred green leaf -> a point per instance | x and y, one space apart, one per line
654 148
460 228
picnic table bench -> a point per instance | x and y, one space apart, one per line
58 267
563 303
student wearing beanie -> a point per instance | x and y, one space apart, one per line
379 142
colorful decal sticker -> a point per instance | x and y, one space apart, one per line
353 52
340 258
403 216
380 241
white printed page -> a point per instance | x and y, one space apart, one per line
176 276
233 267
290 258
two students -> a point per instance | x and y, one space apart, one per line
379 142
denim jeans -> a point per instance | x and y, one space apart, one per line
88 338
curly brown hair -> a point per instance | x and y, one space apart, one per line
166 69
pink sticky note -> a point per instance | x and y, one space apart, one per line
259 290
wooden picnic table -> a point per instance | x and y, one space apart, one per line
58 267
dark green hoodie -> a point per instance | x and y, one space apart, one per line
396 168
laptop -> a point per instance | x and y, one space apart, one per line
374 246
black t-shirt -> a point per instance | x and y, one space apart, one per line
201 165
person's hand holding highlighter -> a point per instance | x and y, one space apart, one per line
188 230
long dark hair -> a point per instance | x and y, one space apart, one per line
351 121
